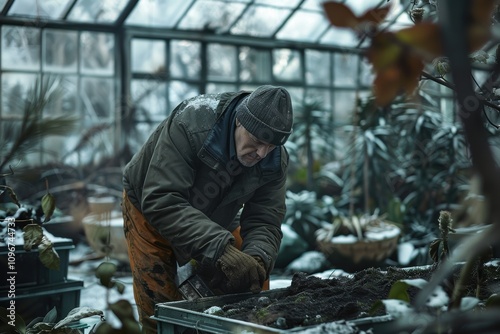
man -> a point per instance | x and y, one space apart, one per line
208 185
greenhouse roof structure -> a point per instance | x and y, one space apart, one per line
301 21
124 65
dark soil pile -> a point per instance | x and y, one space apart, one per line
312 300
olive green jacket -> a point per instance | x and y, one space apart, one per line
189 190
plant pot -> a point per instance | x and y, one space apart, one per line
34 288
29 269
352 254
103 230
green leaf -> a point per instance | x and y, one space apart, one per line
48 206
19 324
105 272
51 316
434 250
125 313
78 313
493 300
48 256
399 290
41 327
105 328
13 196
33 235
120 287
375 307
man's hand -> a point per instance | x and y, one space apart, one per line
238 272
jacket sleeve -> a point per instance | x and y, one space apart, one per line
261 220
165 199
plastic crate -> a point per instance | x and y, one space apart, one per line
33 302
185 317
29 269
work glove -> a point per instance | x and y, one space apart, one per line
236 271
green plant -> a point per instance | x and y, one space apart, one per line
306 213
445 227
356 225
370 159
471 314
21 137
122 308
47 324
311 137
31 223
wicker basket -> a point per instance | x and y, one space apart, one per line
352 254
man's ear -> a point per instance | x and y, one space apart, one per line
238 122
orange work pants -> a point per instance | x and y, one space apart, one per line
153 265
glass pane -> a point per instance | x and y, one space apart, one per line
215 16
213 88
345 72
38 8
279 3
255 65
149 100
179 91
97 11
313 5
158 13
186 59
296 30
340 37
57 148
260 21
221 62
320 95
297 94
286 64
318 68
59 50
148 56
97 95
15 88
20 48
65 103
2 4
343 106
10 129
98 51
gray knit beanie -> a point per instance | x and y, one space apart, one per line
267 114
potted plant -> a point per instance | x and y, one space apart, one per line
36 261
359 241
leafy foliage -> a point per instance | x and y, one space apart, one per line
398 57
311 135
306 214
23 137
31 220
48 324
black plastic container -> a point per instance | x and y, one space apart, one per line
29 269
32 302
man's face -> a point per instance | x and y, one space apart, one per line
249 149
